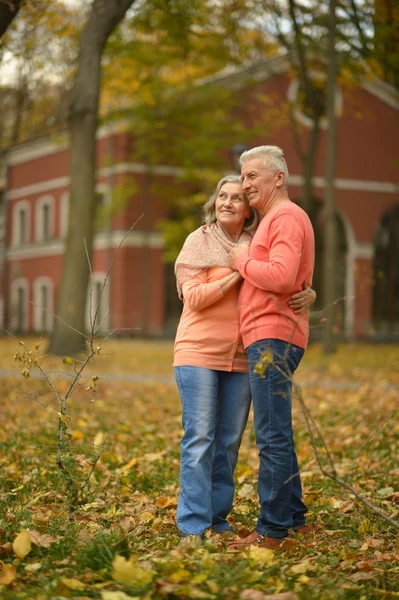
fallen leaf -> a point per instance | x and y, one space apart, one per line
361 575
41 539
303 567
129 571
251 594
116 596
73 584
7 574
263 556
146 517
386 492
6 549
129 465
22 544
33 567
165 502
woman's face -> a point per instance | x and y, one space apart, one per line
231 207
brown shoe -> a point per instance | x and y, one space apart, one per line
261 541
304 530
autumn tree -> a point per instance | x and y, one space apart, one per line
8 11
44 34
67 336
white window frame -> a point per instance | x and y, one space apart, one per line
15 286
64 214
39 218
98 277
40 282
16 238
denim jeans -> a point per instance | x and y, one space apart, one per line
215 412
279 483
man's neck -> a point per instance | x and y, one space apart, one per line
275 201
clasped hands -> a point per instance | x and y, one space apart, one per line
236 252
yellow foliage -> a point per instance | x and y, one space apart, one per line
260 556
129 571
22 544
7 573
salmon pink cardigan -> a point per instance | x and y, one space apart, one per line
208 334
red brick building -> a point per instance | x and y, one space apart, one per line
137 299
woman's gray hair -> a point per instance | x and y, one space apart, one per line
209 211
272 159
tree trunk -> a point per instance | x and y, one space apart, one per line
330 237
308 161
8 11
69 326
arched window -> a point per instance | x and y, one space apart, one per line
19 305
97 311
21 223
64 214
317 216
103 199
386 274
44 219
43 304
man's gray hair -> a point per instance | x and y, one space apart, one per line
272 159
209 207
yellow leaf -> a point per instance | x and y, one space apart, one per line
213 587
64 418
33 567
7 574
99 439
146 517
263 556
116 596
165 502
130 464
180 575
304 579
22 544
129 571
303 567
73 584
67 360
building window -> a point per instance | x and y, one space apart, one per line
102 208
97 314
64 215
21 223
386 274
45 219
19 305
43 304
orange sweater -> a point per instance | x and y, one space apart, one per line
208 333
281 258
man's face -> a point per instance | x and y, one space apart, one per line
259 184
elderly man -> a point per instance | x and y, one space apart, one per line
278 263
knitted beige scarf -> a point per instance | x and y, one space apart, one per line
208 246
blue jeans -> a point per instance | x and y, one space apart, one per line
215 412
279 483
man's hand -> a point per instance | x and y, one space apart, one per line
242 250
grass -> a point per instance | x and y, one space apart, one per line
129 510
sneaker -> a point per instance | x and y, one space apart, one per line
262 541
190 541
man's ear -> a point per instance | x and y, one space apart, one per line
280 178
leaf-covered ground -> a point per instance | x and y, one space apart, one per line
122 542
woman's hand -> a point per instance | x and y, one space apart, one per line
301 301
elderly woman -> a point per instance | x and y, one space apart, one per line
210 364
